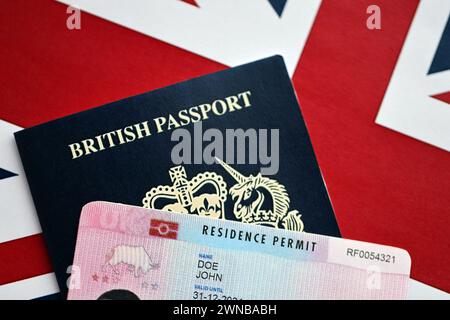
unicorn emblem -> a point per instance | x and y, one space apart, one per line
250 197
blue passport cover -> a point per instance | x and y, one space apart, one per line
159 150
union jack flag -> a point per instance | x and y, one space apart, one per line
364 93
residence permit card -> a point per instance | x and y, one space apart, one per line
127 252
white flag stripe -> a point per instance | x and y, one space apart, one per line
18 217
9 158
407 106
31 288
420 291
231 32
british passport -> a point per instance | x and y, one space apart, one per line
230 145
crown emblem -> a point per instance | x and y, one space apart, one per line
256 199
204 195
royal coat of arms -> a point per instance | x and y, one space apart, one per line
256 199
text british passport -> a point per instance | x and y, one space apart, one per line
231 145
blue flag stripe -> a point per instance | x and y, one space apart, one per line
441 60
6 174
278 6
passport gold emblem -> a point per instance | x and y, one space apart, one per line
256 199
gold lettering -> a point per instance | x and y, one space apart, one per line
141 130
144 128
245 96
232 102
120 136
172 123
195 116
224 107
100 142
205 108
130 136
109 135
159 122
184 118
75 148
88 145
